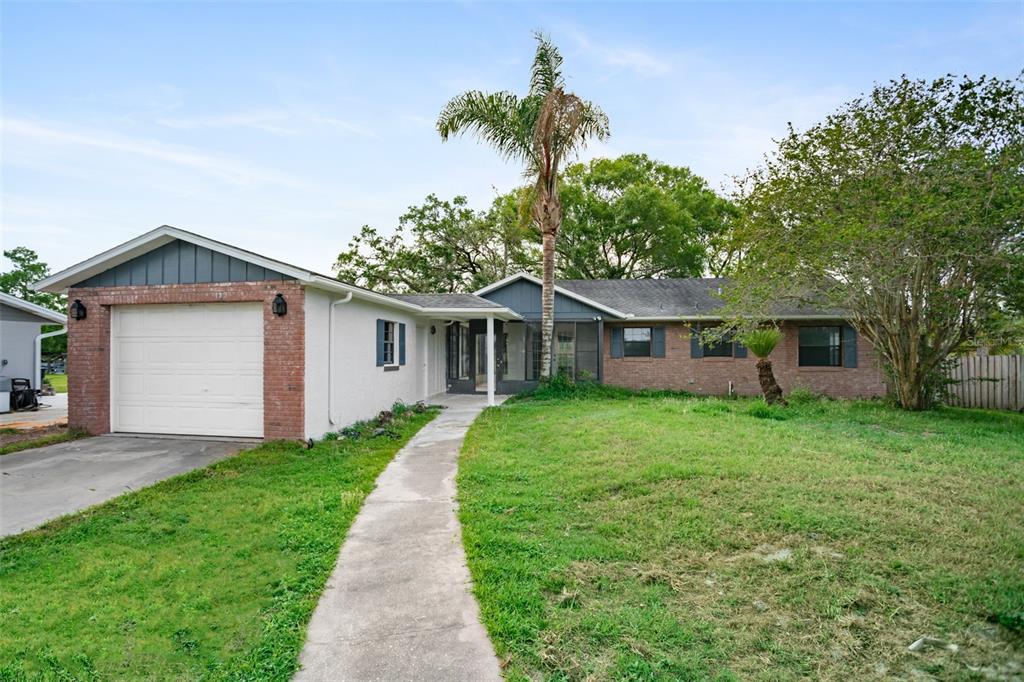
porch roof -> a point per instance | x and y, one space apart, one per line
458 306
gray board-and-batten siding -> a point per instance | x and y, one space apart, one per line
180 262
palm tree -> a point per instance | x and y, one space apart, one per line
761 342
541 130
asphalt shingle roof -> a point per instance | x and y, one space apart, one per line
447 300
685 297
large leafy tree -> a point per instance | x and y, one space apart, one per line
542 130
443 246
633 217
28 269
904 209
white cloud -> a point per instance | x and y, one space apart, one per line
284 123
228 170
267 122
638 61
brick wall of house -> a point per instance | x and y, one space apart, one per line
711 376
283 349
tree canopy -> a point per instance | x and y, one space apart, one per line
625 217
28 270
442 246
904 209
634 217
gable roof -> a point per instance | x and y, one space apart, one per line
693 298
558 289
151 241
165 234
45 314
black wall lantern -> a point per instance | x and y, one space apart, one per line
78 310
279 306
433 329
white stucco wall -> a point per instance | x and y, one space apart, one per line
18 331
361 389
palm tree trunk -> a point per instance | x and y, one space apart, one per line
547 305
548 214
769 386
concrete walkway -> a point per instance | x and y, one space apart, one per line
398 605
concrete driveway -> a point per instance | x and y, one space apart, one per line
44 483
53 409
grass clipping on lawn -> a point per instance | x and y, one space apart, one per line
212 574
665 537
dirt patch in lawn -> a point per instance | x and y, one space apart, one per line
16 440
8 436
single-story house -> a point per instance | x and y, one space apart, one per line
176 333
21 335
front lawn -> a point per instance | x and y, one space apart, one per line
213 574
677 538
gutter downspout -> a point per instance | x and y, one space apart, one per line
39 354
330 358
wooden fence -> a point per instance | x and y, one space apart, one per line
992 381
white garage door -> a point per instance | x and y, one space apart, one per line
187 369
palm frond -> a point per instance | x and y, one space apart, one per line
546 72
495 118
563 126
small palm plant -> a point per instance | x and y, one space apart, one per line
761 342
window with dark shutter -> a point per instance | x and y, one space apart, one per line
388 343
636 342
821 346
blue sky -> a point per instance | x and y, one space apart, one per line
283 128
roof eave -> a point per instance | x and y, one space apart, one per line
715 318
473 313
46 314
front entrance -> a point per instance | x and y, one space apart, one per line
577 349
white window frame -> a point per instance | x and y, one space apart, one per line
390 342
650 342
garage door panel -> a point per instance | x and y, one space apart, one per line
188 369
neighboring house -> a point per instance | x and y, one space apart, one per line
21 325
176 333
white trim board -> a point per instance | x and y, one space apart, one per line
33 309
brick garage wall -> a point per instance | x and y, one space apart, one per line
284 349
711 376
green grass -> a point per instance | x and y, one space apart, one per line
49 439
632 539
209 575
58 381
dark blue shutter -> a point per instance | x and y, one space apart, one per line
657 342
401 343
739 350
696 349
849 346
616 342
380 343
